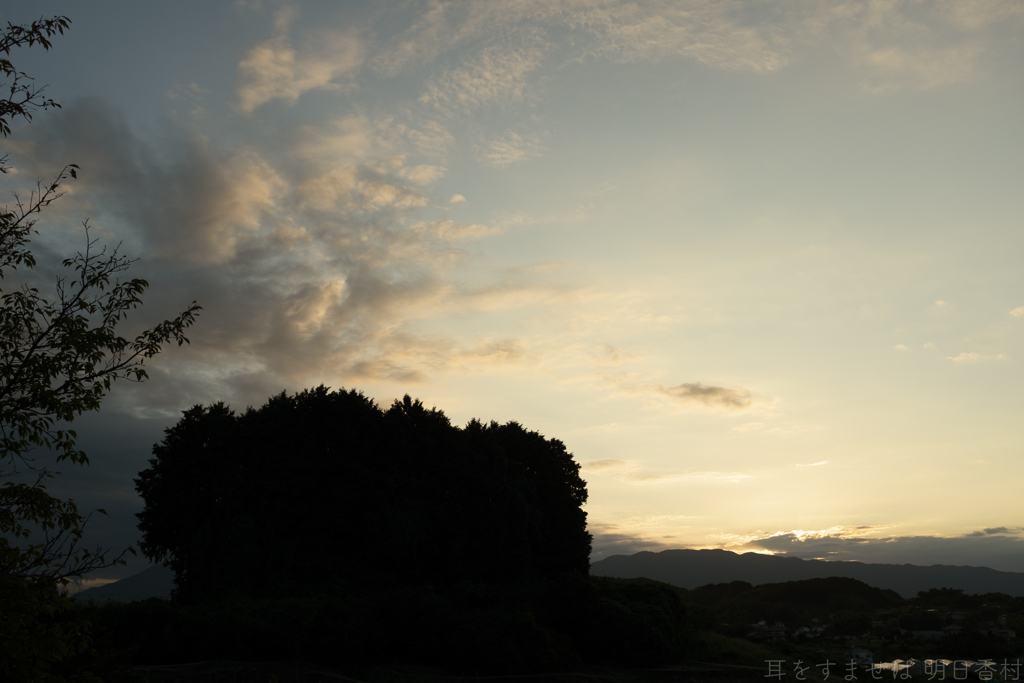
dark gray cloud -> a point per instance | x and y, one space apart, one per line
999 548
711 396
308 268
609 540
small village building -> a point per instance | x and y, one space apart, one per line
860 657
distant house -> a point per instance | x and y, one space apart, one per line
860 657
952 630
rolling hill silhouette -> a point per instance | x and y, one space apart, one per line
692 568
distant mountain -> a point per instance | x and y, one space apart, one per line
155 582
692 568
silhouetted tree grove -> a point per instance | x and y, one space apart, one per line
322 491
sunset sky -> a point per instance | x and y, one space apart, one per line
758 265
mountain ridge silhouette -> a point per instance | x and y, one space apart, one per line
688 568
153 582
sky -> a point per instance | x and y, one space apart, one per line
758 265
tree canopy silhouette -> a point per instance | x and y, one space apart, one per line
322 489
322 527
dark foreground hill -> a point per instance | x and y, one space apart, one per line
692 568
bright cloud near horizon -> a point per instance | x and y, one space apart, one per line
758 266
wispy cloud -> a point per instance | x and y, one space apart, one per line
627 470
971 356
608 355
495 75
450 230
890 45
706 31
275 70
511 148
598 465
897 47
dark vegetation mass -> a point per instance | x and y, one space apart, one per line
321 527
325 487
792 602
